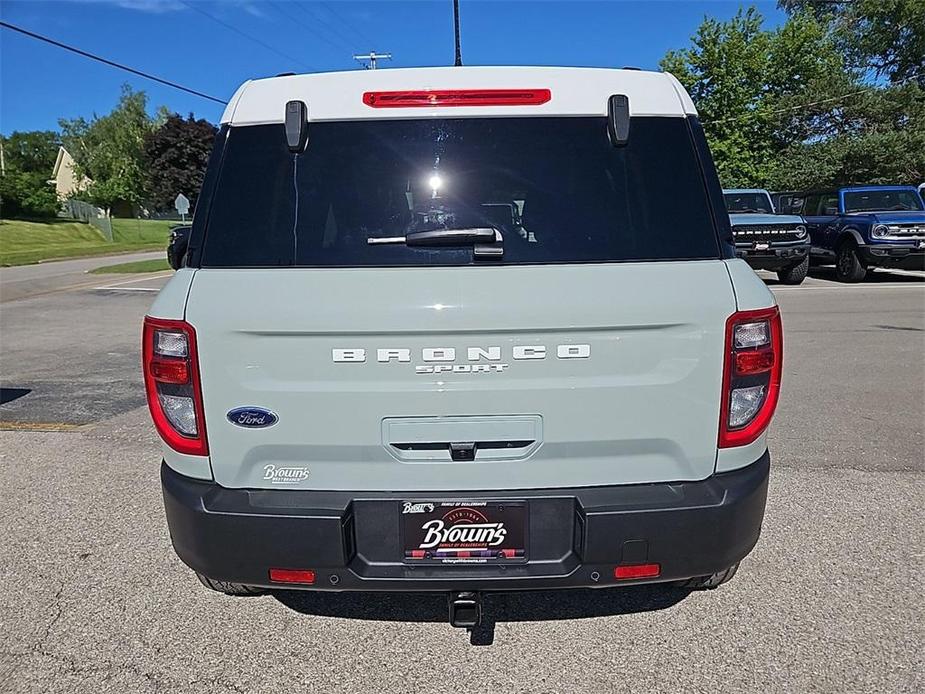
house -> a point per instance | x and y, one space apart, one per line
64 176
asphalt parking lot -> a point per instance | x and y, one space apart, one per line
831 600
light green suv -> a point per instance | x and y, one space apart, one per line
462 330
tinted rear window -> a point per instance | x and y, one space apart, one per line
555 189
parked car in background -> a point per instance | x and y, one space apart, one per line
177 245
861 227
766 240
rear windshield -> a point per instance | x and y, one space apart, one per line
882 200
748 202
555 189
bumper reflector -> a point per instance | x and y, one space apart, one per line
628 571
303 576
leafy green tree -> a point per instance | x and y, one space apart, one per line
792 108
109 150
34 150
877 136
176 155
743 78
28 161
887 36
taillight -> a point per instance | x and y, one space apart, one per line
171 371
751 375
457 97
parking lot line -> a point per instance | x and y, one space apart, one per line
845 287
129 289
114 285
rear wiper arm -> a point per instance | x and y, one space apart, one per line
471 236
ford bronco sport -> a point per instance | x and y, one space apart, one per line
441 330
765 239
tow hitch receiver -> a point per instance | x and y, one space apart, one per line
465 609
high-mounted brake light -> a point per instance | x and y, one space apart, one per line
457 97
751 375
171 371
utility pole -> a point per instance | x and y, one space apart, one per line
458 61
372 57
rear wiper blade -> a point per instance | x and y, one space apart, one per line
442 237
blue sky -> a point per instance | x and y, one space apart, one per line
174 39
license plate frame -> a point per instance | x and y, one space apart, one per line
464 531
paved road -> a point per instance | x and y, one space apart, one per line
831 600
24 281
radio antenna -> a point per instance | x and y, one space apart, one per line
456 32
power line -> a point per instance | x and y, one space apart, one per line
233 28
812 103
126 68
347 42
278 7
329 7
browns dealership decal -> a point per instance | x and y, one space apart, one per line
457 532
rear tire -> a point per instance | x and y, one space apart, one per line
227 587
794 274
848 266
709 582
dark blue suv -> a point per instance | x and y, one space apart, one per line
862 227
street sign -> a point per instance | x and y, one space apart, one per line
182 205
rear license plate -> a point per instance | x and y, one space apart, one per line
464 532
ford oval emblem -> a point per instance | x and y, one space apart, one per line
252 417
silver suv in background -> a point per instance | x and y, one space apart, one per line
438 330
766 239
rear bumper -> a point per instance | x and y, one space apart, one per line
577 536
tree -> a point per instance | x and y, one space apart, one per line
176 155
887 36
874 137
109 150
28 161
742 77
34 150
791 108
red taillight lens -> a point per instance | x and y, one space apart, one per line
751 375
628 571
303 576
748 363
457 97
171 372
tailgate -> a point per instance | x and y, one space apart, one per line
581 375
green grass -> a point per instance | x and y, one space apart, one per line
23 242
155 265
142 231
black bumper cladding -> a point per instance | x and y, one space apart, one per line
353 541
896 257
773 257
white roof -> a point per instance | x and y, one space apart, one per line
575 92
